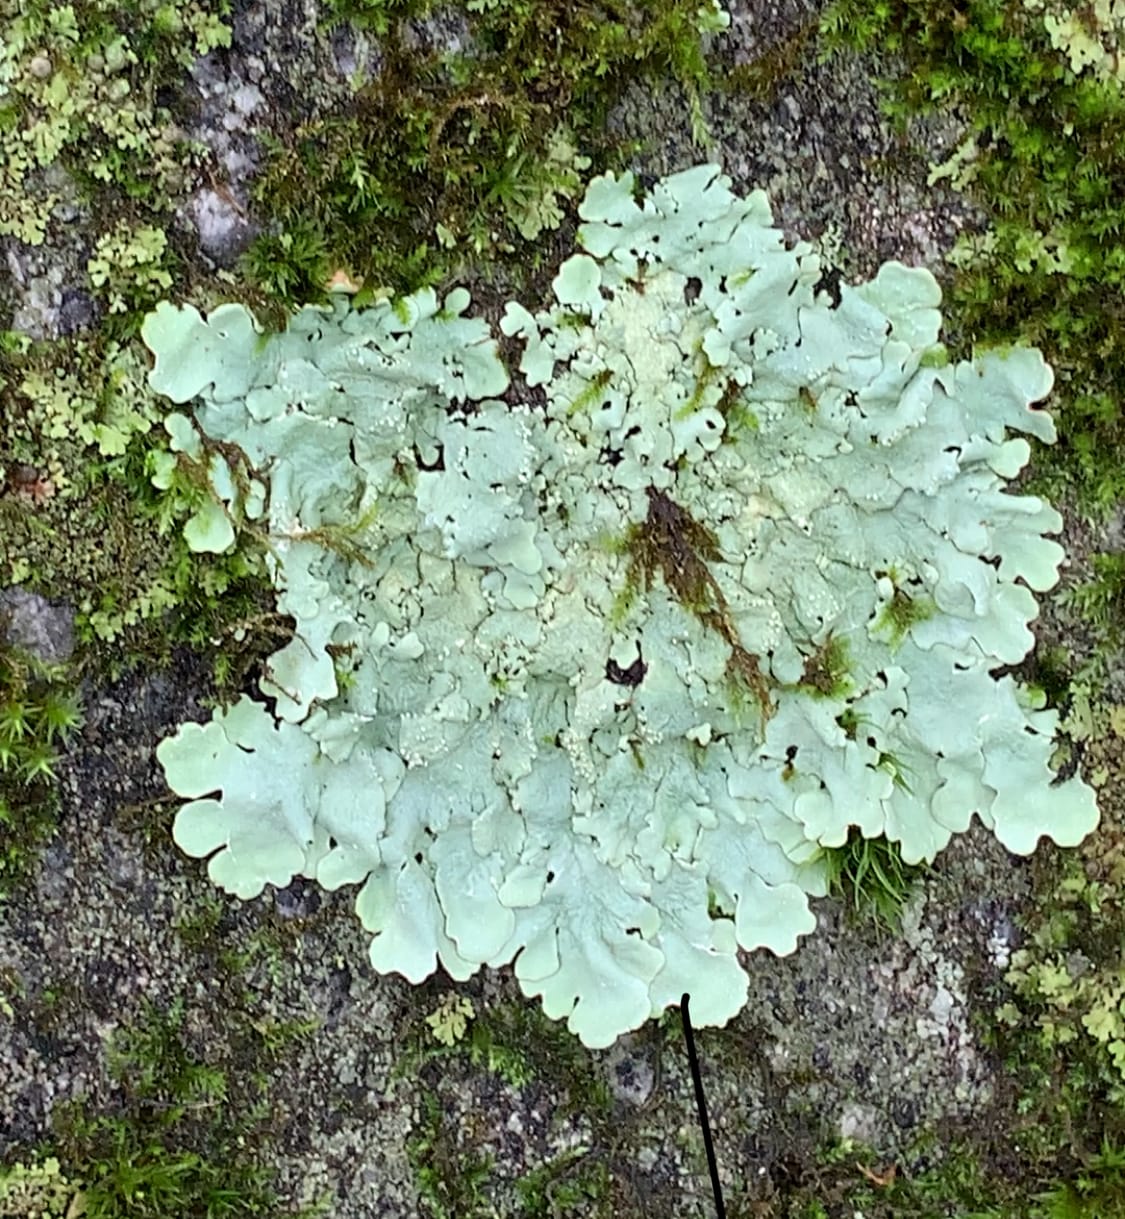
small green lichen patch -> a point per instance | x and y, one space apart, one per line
1069 982
901 611
78 84
1092 37
131 267
38 1190
451 1017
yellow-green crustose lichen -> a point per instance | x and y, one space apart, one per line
37 1191
130 263
82 78
1090 35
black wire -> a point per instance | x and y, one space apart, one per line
701 1105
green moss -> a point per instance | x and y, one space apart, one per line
902 612
870 875
1096 1191
760 78
1068 980
736 414
39 710
519 1047
182 1137
79 518
825 672
197 926
1100 600
590 395
441 162
962 1181
449 1182
1045 159
705 378
569 1185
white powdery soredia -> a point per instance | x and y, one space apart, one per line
622 666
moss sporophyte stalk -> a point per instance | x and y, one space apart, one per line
596 686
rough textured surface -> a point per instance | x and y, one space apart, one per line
34 624
835 171
855 1032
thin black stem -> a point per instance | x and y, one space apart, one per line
701 1105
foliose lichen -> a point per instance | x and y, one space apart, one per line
620 665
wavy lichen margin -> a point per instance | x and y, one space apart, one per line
621 666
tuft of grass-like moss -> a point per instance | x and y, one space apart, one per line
180 1139
39 711
871 876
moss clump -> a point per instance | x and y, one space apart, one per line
442 160
38 712
760 78
870 875
80 120
180 1138
825 672
518 1048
